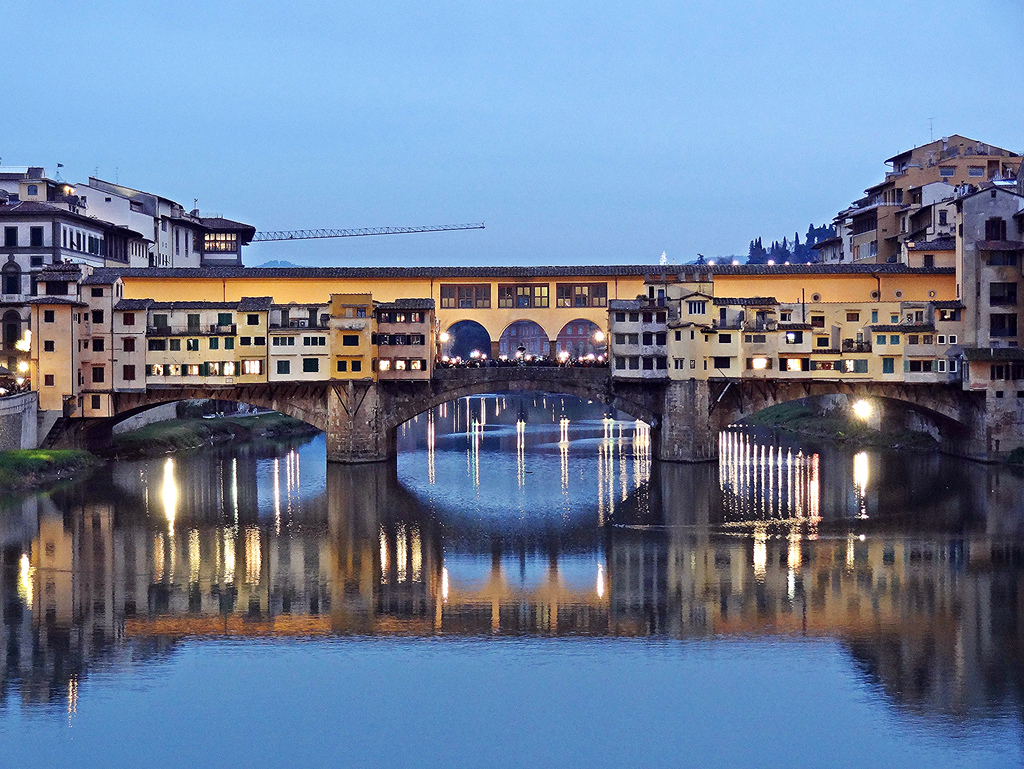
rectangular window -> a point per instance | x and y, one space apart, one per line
852 317
723 339
1002 325
817 321
128 373
98 345
252 319
310 365
284 367
245 341
620 363
97 316
48 346
794 337
894 339
888 365
192 345
252 367
722 363
10 237
97 374
259 341
224 318
128 319
951 338
174 345
947 171
160 320
342 365
581 294
822 341
466 296
913 339
193 321
48 380
129 344
96 401
357 365
96 292
350 340
974 171
229 343
697 307
214 343
35 237
48 316
1002 293
157 345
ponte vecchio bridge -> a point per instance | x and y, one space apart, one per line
327 345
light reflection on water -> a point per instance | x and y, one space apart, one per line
894 579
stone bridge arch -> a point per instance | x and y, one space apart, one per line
954 417
643 403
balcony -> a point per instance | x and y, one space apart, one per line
849 345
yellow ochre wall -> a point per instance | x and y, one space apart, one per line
840 287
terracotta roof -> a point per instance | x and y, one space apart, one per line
684 273
255 303
939 244
1000 245
994 353
134 304
57 300
908 328
795 327
407 304
751 301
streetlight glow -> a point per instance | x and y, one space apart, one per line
862 409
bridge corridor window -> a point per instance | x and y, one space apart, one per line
213 368
193 369
230 368
384 365
252 367
582 294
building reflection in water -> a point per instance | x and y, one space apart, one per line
888 554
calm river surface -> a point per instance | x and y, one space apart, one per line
524 588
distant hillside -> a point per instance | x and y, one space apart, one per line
278 263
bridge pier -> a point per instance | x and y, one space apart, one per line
688 431
358 429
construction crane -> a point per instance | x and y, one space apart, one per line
311 234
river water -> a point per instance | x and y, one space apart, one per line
524 587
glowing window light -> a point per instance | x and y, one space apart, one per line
793 364
384 365
759 364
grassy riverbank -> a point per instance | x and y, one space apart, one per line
805 422
183 434
35 468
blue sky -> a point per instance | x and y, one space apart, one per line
581 133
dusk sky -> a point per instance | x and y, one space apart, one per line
581 133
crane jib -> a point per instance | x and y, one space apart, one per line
325 233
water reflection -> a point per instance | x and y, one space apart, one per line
558 524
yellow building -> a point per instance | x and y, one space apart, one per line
352 333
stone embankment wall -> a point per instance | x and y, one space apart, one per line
19 421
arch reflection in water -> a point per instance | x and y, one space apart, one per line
923 584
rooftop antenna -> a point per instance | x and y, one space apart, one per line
931 129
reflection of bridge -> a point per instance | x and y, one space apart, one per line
361 417
920 610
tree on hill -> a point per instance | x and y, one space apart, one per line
795 253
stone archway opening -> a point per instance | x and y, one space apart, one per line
524 338
464 338
581 338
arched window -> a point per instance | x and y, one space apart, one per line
10 278
11 329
